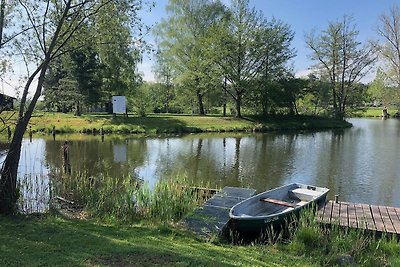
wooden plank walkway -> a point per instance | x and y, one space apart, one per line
379 219
212 218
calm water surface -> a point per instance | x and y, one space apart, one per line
361 164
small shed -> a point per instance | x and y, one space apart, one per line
119 104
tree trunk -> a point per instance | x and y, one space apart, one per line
224 105
8 181
78 109
200 104
2 19
238 106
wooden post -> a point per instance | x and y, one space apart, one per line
67 165
53 132
30 134
336 198
9 133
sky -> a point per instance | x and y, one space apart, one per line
302 16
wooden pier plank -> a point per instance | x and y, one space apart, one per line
380 226
335 218
361 216
361 219
327 213
369 219
351 211
386 220
343 217
395 219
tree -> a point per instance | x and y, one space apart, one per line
6 21
382 92
164 75
7 34
389 29
186 46
240 60
50 27
251 48
106 65
276 39
319 95
340 59
119 44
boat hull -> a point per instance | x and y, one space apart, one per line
256 224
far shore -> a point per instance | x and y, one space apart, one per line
154 124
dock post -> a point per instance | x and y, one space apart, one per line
336 198
30 134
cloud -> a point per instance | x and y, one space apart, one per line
146 69
10 86
303 73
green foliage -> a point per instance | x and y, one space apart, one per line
91 70
389 50
187 48
253 47
341 60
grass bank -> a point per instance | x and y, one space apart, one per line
160 124
130 225
55 241
52 240
374 112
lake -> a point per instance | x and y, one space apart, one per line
360 164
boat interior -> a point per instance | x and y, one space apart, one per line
276 202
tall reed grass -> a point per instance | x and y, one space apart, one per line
34 193
128 199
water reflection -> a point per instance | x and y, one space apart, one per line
359 164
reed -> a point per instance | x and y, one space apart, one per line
34 193
127 199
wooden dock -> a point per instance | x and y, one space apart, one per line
212 218
377 219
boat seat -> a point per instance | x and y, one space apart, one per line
278 202
305 194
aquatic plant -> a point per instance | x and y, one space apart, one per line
129 199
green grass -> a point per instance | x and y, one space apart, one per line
155 124
328 245
123 230
374 112
52 240
165 124
55 241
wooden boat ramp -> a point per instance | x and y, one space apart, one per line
213 217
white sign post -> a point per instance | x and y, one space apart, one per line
119 105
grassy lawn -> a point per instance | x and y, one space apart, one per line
160 123
55 241
374 112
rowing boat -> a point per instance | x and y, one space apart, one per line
275 206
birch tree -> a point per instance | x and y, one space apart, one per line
341 59
389 30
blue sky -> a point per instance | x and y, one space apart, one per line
302 16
